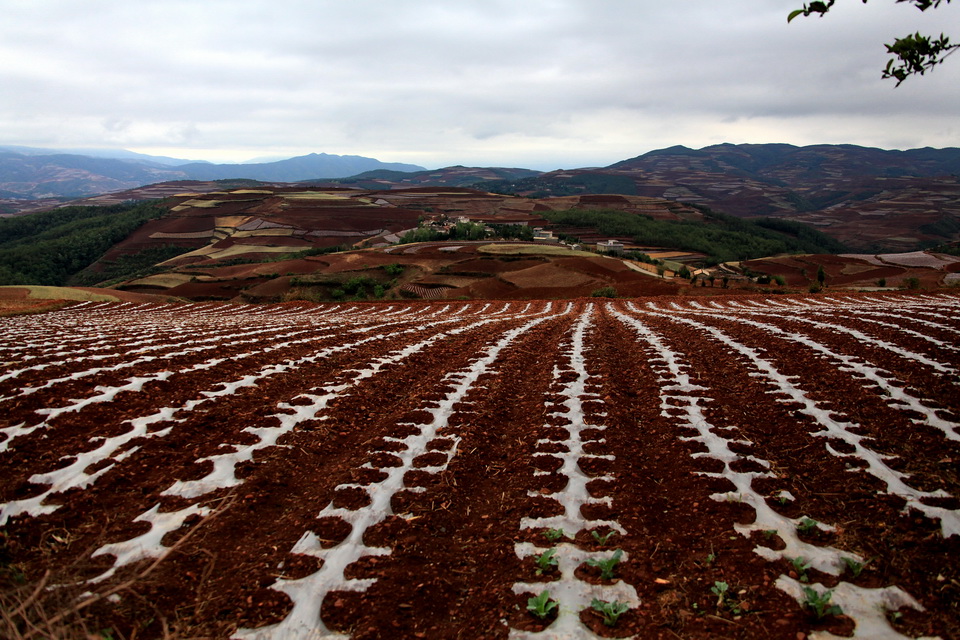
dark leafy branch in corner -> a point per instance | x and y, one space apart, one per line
916 53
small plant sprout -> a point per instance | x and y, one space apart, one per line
801 565
554 534
608 566
611 611
541 605
726 597
710 557
769 533
546 561
720 589
807 525
602 540
855 566
819 603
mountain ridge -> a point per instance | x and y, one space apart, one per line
30 176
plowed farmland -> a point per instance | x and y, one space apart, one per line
757 467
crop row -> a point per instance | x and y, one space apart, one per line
528 469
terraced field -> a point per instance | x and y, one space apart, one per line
711 467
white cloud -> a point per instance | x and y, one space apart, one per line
540 83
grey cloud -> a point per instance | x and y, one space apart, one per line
531 80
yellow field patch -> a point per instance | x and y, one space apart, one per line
666 255
240 249
198 204
313 195
198 253
42 292
232 222
269 231
165 280
194 234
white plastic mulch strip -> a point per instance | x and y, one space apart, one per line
868 607
224 464
895 396
681 400
147 545
135 384
217 343
571 594
74 475
841 430
304 622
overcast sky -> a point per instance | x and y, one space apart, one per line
542 84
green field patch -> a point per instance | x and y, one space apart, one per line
532 249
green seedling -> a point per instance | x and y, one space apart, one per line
855 567
819 603
801 565
546 561
710 557
608 566
541 605
769 533
720 589
554 534
611 611
725 597
807 525
602 540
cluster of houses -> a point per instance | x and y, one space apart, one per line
610 246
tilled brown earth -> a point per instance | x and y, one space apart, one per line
747 468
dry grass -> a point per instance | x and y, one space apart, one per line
43 292
61 605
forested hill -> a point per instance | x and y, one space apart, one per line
59 247
869 199
53 246
721 237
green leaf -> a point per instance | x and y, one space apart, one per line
541 605
794 14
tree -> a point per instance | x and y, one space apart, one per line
916 53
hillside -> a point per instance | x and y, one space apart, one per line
269 243
871 200
868 199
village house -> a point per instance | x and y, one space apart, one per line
542 235
610 246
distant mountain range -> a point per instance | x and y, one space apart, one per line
870 199
26 173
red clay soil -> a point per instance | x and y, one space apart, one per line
439 429
844 271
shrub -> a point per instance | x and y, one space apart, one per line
912 283
604 292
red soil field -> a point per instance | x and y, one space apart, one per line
423 469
